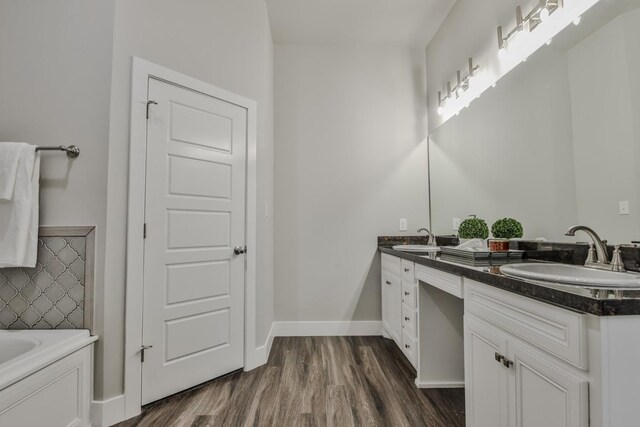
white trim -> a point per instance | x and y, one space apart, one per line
439 384
333 329
107 412
141 72
261 355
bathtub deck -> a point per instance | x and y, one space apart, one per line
340 381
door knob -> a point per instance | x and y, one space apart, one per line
239 250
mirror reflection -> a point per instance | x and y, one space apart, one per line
556 142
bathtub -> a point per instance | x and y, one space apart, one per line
45 377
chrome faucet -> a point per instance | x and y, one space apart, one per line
432 238
601 260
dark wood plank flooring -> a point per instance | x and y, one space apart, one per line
314 381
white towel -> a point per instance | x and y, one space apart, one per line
9 158
19 215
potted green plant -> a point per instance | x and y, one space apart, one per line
504 230
473 228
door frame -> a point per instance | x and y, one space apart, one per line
142 70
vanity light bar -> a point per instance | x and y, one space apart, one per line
539 13
461 86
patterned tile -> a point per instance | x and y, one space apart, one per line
50 295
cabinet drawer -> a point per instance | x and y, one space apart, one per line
392 264
410 348
408 274
409 295
561 332
449 283
409 321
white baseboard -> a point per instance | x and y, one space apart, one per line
319 329
108 412
439 384
260 354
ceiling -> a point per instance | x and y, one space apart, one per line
366 22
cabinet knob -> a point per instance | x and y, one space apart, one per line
406 270
406 293
388 283
407 346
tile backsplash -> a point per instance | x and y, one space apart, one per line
54 294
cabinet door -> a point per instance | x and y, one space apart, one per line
486 378
544 394
392 305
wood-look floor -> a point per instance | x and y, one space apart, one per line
314 381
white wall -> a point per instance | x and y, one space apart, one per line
223 42
350 161
55 80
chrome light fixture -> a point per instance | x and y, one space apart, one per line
540 13
460 88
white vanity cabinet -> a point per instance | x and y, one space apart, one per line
399 304
525 361
392 297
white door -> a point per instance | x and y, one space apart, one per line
486 378
195 214
392 306
538 384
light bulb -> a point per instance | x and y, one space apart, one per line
544 14
440 110
577 20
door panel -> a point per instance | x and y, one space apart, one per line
195 215
486 379
193 229
538 384
392 305
196 177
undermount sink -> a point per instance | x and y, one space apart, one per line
417 248
572 275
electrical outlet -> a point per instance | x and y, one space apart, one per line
624 207
403 224
455 223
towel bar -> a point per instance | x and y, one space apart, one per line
72 150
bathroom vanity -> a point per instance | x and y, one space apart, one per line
527 354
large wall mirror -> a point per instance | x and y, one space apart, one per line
556 142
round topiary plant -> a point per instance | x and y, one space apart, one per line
507 228
473 228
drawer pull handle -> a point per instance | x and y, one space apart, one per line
407 346
388 283
508 363
406 270
407 293
498 357
406 319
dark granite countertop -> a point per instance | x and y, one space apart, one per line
575 298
